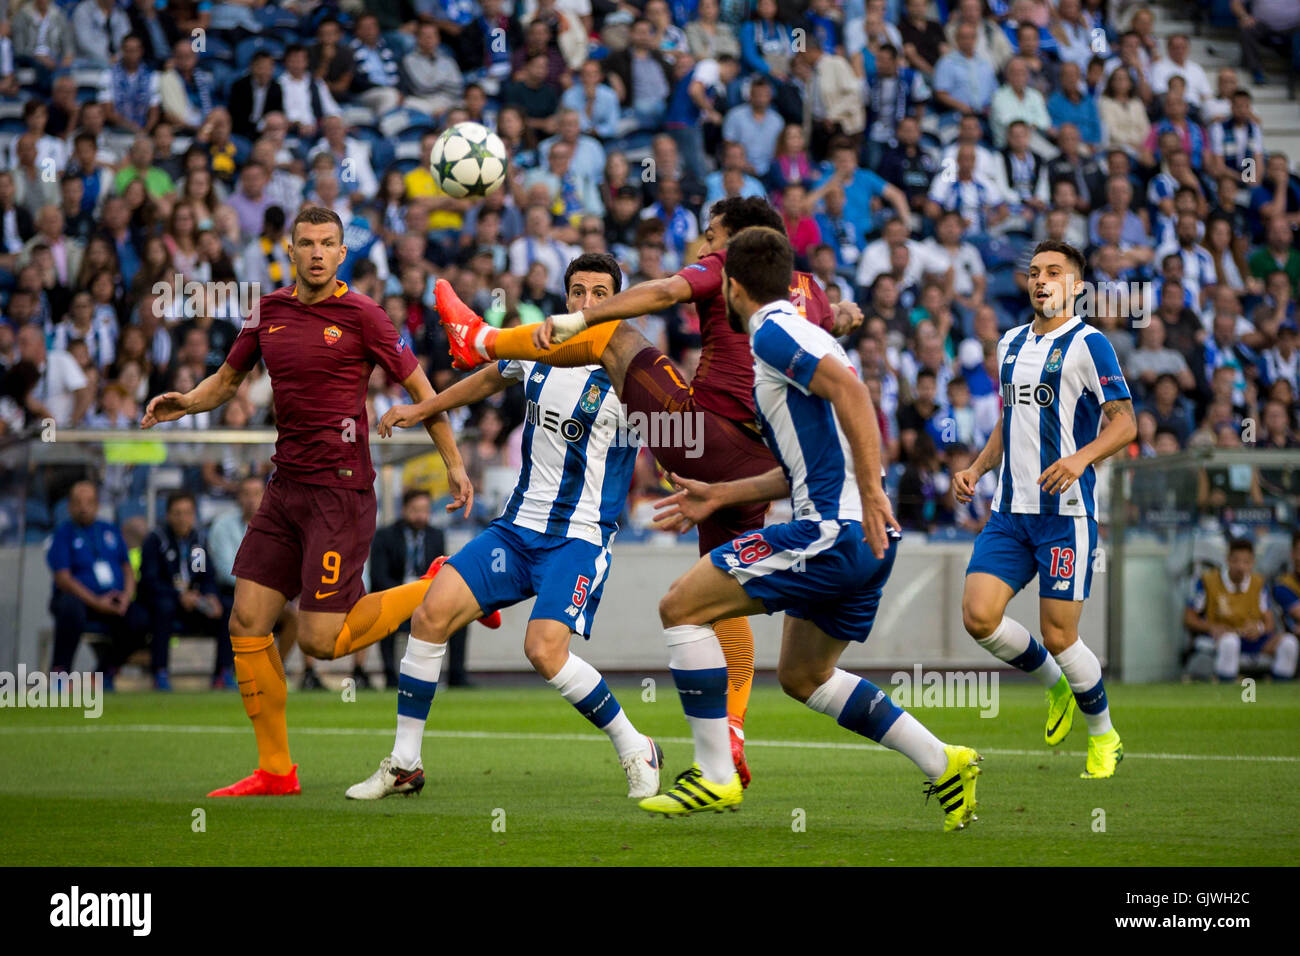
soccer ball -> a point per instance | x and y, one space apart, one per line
468 160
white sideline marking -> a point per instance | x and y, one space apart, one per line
509 735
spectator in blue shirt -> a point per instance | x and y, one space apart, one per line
756 126
862 188
178 585
963 82
594 101
1070 104
733 157
93 584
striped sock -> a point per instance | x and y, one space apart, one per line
1083 671
700 672
417 681
862 707
1013 643
582 686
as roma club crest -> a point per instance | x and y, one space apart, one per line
334 333
1054 361
591 401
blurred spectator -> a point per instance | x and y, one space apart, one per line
94 584
178 586
188 91
305 97
1231 607
62 392
99 28
254 95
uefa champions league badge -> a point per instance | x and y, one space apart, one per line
591 401
1054 361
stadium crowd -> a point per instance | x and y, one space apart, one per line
916 149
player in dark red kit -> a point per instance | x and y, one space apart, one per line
720 396
311 536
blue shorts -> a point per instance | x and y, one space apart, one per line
822 572
507 564
1058 548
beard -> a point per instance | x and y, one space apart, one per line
735 321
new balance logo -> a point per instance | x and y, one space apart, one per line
571 610
538 377
1061 586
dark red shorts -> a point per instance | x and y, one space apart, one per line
697 443
310 541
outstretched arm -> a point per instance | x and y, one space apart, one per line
213 392
644 298
696 500
434 406
439 429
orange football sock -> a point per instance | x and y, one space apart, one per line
377 615
737 642
264 691
585 348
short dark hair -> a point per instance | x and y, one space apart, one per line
410 494
741 212
317 216
1065 249
176 497
595 262
761 259
1240 544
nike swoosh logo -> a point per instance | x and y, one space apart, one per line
1058 721
321 597
274 328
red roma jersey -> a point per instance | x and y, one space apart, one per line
320 358
724 382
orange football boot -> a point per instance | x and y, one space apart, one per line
263 784
463 327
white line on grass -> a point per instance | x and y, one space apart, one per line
510 735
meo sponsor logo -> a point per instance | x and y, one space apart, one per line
1029 393
570 429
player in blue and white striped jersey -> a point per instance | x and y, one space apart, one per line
552 541
1058 377
825 569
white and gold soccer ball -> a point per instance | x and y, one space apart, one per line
468 160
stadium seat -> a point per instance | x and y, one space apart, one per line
245 50
396 121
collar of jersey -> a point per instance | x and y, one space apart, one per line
343 288
763 313
1057 332
1229 586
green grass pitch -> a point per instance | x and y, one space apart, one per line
1208 780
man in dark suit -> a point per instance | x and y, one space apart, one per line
401 552
179 588
254 95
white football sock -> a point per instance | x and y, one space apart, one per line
582 686
1285 657
1013 643
418 674
1083 672
700 672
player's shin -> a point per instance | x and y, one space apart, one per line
417 682
1083 672
858 705
700 673
584 348
1011 642
582 686
264 692
737 640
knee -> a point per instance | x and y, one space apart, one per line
979 620
1057 640
429 622
670 608
801 682
547 657
241 622
1230 642
316 644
